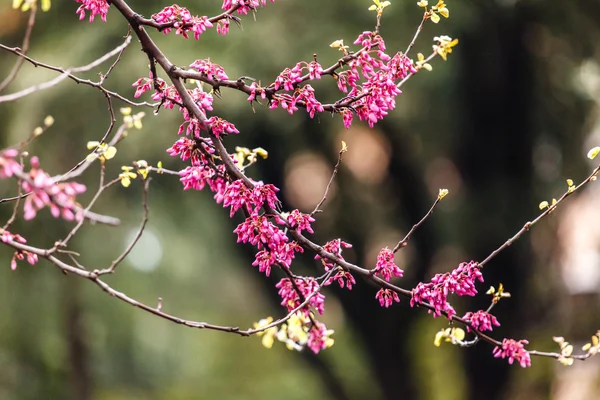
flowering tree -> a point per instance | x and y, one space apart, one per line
368 79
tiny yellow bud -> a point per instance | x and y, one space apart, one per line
434 18
543 204
423 3
438 338
554 201
92 145
586 347
457 333
109 152
125 110
442 193
344 147
491 290
337 44
49 120
569 182
593 152
261 152
38 131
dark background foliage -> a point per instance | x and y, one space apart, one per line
501 124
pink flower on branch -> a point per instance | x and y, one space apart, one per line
6 237
460 281
514 351
184 148
300 221
8 163
318 337
307 286
182 20
244 5
387 297
282 254
209 69
481 320
343 278
260 232
385 266
95 7
59 197
334 247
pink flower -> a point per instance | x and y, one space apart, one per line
94 7
306 96
8 165
196 177
387 297
306 286
385 266
299 221
460 281
259 231
244 5
481 320
184 148
6 236
59 197
515 351
219 126
314 70
223 26
343 278
209 69
334 247
318 337
283 254
182 21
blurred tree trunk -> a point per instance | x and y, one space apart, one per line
493 152
80 376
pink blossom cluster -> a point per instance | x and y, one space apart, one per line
95 7
244 5
373 98
304 96
44 192
6 236
317 337
209 68
460 281
343 278
166 94
386 267
182 21
8 163
307 286
387 297
514 351
481 321
300 221
334 247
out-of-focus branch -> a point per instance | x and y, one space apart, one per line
24 48
68 73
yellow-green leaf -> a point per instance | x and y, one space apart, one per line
593 152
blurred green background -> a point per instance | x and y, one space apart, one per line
501 124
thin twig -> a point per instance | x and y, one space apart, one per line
138 235
68 73
404 241
550 209
333 174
